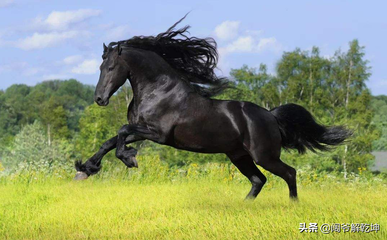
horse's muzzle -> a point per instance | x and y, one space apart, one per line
101 102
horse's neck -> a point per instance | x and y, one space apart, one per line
161 87
156 78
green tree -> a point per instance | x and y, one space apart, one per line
379 105
57 102
54 117
353 103
30 151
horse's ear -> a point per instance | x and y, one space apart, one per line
105 48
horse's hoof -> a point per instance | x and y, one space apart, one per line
80 176
134 161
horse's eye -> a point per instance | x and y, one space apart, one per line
111 68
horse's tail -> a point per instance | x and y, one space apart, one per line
300 131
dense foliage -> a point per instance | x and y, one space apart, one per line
56 104
56 122
31 151
379 105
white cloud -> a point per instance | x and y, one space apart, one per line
242 44
250 41
5 3
56 28
72 59
118 33
269 44
249 44
87 67
60 21
44 40
227 30
253 32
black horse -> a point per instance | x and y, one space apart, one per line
172 77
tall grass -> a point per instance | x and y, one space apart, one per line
196 202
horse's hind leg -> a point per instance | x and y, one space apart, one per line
262 141
246 166
281 169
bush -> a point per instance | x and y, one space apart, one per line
30 151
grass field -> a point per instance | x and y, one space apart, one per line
113 209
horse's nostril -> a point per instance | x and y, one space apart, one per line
102 102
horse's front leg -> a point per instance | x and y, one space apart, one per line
93 165
128 134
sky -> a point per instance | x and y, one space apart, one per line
43 40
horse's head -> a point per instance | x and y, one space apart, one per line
114 72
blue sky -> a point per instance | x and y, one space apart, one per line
42 40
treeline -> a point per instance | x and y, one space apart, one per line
55 123
59 120
56 104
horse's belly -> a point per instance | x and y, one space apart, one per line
214 140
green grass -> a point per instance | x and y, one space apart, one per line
200 209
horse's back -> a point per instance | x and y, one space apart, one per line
208 125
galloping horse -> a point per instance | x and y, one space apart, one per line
173 79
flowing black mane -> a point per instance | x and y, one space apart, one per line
196 58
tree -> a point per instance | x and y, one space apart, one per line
379 105
30 150
351 72
54 117
58 103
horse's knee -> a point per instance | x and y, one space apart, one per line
292 173
123 130
119 154
132 151
258 181
125 153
